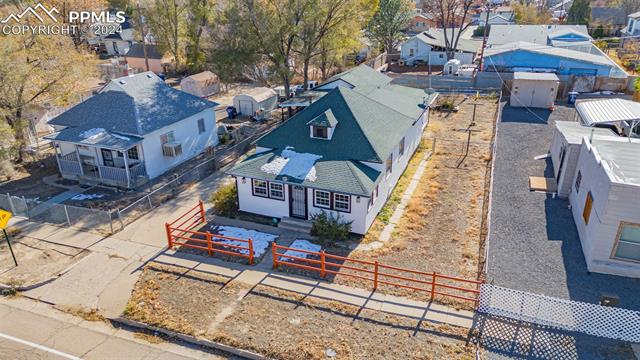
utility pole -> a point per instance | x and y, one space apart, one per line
469 131
144 36
484 38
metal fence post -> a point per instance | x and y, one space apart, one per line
433 285
250 250
66 213
375 275
274 252
13 208
120 219
169 240
150 204
209 244
110 221
322 264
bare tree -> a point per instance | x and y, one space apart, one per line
453 18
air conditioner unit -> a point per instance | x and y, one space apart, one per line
172 149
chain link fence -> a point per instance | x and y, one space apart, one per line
60 214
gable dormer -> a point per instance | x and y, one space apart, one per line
323 125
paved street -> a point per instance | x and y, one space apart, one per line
30 330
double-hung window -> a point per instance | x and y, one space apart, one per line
401 147
320 132
322 198
201 127
341 202
389 165
276 191
133 153
260 188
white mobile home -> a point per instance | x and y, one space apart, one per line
604 201
332 156
428 47
134 130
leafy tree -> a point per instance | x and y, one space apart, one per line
168 22
35 69
452 16
528 14
274 25
199 19
579 13
390 18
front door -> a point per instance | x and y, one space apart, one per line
298 201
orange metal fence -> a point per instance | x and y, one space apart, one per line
429 282
184 235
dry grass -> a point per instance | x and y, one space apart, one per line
86 314
282 324
441 227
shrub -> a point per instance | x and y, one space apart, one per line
329 227
225 200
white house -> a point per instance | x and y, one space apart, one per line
429 47
342 154
633 25
135 129
116 43
604 200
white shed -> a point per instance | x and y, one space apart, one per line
260 98
201 84
535 90
604 202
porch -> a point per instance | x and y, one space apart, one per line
89 169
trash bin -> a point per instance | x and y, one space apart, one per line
231 112
573 95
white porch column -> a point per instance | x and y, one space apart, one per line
55 149
79 162
95 150
126 167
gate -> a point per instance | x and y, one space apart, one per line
591 319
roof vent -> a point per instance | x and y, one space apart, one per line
149 76
122 82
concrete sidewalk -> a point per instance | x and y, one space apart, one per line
32 330
367 299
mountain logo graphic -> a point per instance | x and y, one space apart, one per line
33 11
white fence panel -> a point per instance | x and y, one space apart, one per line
592 319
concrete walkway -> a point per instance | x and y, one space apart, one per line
42 207
386 233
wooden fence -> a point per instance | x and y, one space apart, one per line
379 274
183 235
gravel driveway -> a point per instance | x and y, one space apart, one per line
533 242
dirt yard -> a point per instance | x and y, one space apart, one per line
37 260
285 325
27 180
441 226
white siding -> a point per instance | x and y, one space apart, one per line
261 205
185 132
612 204
572 151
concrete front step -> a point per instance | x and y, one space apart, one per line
288 223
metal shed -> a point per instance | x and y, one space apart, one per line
260 98
536 90
201 84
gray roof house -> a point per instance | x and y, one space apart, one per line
343 154
133 130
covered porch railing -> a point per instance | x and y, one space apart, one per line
117 176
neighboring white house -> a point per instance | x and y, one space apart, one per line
342 154
604 201
135 129
202 84
254 100
116 43
633 25
429 47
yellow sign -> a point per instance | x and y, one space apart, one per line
4 218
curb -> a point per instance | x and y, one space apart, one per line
192 339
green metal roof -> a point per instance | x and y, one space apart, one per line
348 176
325 119
361 76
